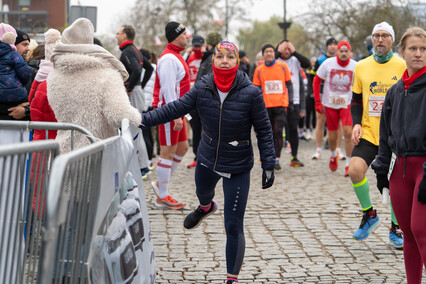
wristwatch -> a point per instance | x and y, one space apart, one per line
27 110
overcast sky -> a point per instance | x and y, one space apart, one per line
262 10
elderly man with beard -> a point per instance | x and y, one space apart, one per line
373 76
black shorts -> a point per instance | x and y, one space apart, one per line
366 151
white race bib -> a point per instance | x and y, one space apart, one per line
338 100
273 87
375 105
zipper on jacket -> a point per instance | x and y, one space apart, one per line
220 124
403 131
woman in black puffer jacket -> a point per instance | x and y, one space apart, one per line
229 105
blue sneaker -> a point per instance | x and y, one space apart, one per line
395 237
369 222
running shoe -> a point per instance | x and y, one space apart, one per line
333 164
369 222
145 172
346 171
231 281
169 202
341 156
395 237
277 165
192 165
151 166
316 156
295 163
194 219
288 149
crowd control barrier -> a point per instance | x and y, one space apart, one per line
97 228
24 172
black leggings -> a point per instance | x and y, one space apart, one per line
277 116
311 120
235 191
291 129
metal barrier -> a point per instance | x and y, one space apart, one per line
32 125
97 227
71 206
24 172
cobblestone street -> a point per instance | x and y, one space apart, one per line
298 231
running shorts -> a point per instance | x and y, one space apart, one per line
333 116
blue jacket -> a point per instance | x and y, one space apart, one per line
225 145
14 74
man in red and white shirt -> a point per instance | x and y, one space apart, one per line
338 73
172 82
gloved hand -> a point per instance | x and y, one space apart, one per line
319 107
267 178
421 197
382 182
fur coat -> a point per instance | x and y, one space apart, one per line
88 91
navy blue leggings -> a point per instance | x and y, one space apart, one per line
235 191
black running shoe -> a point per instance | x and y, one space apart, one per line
193 219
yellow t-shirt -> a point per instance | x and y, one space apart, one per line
373 80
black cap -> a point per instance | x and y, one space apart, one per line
330 41
21 36
173 30
268 45
197 40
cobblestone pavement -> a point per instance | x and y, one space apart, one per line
298 231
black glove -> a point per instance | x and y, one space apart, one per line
267 178
382 182
421 197
290 107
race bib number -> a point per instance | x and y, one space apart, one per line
375 105
338 100
273 87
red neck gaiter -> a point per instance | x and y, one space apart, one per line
223 78
174 48
409 80
125 43
343 63
197 53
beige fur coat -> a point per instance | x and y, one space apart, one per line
88 91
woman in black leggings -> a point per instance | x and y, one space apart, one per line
229 106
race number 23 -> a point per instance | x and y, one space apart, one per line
375 105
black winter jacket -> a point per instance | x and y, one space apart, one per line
225 145
402 124
132 59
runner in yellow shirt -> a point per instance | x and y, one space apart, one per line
374 75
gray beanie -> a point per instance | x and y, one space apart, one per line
80 32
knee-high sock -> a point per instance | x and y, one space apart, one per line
164 168
175 164
362 191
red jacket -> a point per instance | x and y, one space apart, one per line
40 109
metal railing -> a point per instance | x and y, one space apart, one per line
33 125
24 172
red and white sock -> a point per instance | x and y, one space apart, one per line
176 162
164 168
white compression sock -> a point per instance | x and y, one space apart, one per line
164 168
175 164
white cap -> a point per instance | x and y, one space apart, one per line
384 26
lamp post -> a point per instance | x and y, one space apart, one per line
285 25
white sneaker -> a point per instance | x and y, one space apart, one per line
316 156
340 156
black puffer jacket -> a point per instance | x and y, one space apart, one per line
225 145
402 124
